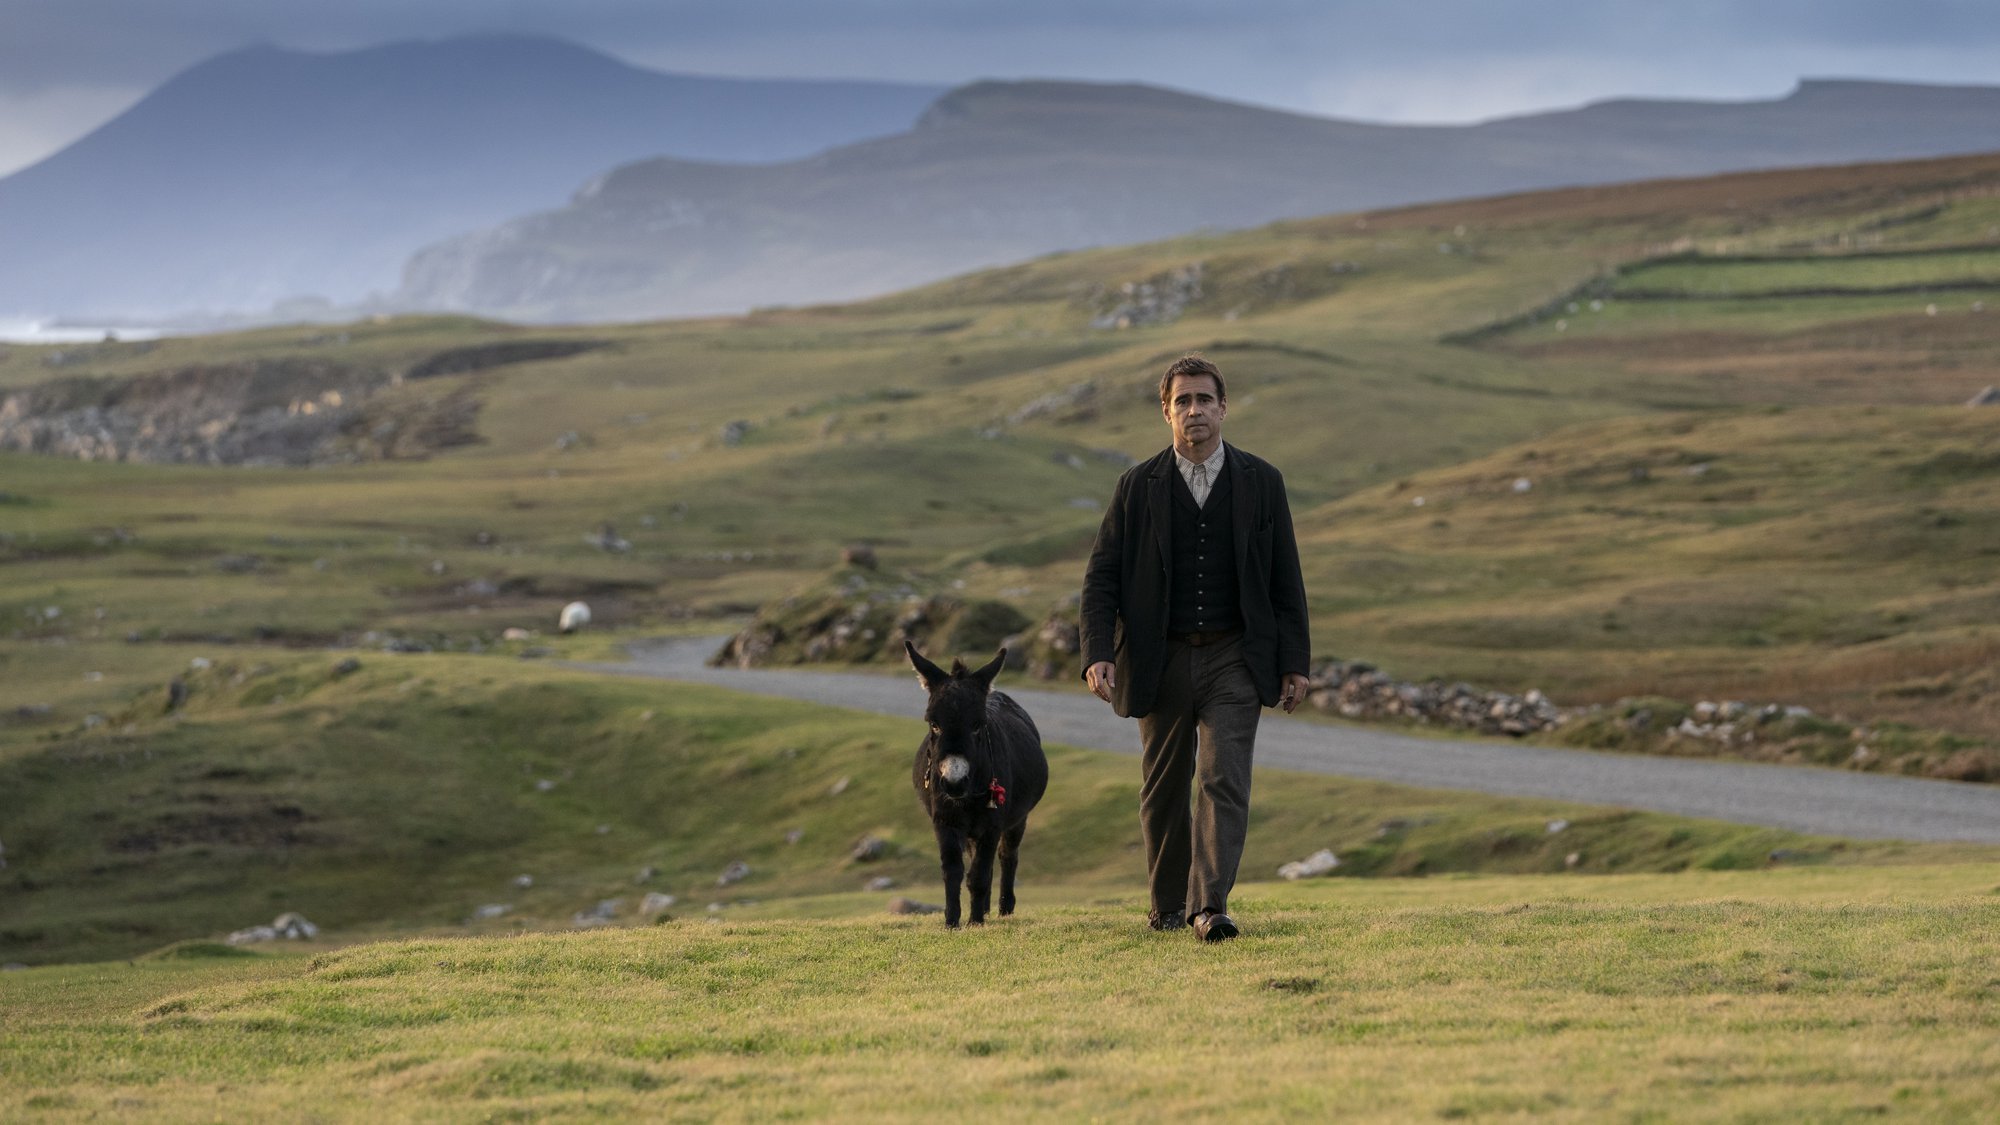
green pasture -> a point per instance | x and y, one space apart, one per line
1824 274
1822 994
1859 320
1840 557
400 796
1729 498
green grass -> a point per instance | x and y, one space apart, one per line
1825 274
1816 994
400 797
1836 553
1615 318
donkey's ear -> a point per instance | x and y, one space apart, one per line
985 675
928 674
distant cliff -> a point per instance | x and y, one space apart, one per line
999 171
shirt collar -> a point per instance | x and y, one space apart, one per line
1214 462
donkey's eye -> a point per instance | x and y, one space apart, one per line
935 729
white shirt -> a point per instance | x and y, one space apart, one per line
1200 475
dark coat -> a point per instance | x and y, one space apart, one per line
1127 583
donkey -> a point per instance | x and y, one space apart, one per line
978 774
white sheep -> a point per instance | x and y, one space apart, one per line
575 616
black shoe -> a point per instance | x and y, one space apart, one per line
1214 925
1172 921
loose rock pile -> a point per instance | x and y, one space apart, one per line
860 617
288 926
1356 690
265 412
1159 299
1053 650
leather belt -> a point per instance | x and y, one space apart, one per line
1199 640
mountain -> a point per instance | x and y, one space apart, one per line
268 174
998 171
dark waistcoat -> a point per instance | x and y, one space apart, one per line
1203 595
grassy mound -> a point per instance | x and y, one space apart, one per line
411 792
1816 995
861 616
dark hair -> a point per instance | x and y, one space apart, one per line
1192 365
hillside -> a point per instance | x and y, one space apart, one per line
405 793
269 175
999 171
1718 996
1834 547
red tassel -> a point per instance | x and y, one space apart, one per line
997 792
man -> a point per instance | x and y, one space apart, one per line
1194 616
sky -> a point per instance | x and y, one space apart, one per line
67 66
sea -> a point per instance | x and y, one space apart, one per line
19 331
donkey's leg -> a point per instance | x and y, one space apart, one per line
1010 858
951 855
982 874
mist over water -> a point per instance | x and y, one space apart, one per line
22 331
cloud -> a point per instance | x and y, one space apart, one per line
35 125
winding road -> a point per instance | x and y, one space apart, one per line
1801 798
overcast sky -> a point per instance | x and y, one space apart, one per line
68 65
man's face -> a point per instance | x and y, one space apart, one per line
1194 410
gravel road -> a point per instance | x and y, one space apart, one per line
1801 798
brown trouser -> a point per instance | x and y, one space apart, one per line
1200 731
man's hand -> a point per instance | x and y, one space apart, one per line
1101 677
1293 693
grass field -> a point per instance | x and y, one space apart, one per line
1822 274
1824 995
400 797
1754 482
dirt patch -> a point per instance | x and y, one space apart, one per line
480 357
270 826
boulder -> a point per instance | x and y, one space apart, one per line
912 906
603 912
1318 863
290 926
294 926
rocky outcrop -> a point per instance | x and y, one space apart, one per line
1160 299
261 412
860 616
1355 690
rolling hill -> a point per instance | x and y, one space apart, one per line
999 171
1736 485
